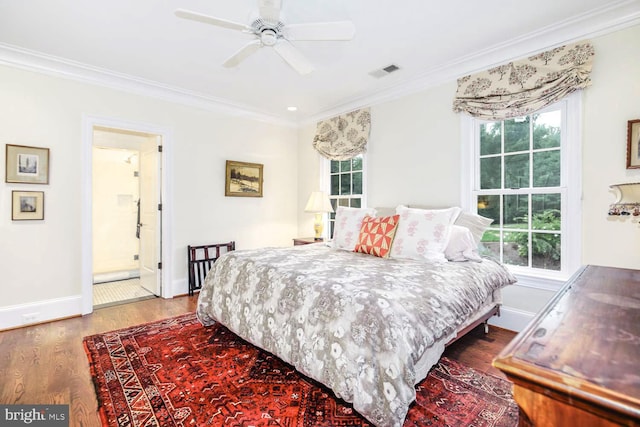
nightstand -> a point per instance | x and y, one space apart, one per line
305 241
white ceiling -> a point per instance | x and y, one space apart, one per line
140 45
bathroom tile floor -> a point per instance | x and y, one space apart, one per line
119 292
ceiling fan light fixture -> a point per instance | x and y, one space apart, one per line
268 37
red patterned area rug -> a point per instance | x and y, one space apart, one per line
176 372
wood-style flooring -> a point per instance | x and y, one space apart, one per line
46 363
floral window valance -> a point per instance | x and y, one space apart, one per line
345 136
524 86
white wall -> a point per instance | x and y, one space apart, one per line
40 261
414 158
612 100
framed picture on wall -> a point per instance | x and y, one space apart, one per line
27 165
633 144
27 205
243 179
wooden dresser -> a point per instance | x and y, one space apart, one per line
578 362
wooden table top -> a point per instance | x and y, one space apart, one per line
586 342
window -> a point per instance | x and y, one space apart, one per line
525 176
346 185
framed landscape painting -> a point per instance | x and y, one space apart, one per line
633 144
27 205
27 165
243 179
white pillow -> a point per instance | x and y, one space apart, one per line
461 246
423 233
477 224
346 229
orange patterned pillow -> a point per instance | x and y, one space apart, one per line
376 235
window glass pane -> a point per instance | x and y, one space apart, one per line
546 251
490 175
335 185
489 207
545 210
546 129
546 169
516 134
357 183
516 171
332 226
491 243
343 202
345 166
355 203
356 163
516 208
335 166
515 248
490 138
345 183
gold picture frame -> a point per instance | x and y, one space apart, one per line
27 205
26 165
633 144
243 179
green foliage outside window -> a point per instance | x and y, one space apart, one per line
518 155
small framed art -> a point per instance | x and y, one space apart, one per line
633 144
243 179
27 165
27 205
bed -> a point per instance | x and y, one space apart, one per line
367 327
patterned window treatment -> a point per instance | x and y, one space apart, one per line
345 136
524 86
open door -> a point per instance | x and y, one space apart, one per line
150 215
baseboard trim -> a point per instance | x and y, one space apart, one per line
512 319
179 287
17 316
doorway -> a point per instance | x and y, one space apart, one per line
126 220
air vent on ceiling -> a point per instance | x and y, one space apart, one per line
384 71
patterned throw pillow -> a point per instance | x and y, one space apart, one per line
423 233
347 226
376 235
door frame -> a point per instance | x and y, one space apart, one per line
86 277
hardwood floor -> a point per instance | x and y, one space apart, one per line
46 363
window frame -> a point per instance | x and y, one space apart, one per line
325 167
570 188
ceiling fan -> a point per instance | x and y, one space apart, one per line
270 31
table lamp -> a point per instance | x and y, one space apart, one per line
318 204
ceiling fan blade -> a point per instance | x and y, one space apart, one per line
293 57
270 10
340 30
195 16
242 54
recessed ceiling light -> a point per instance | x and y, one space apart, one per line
292 108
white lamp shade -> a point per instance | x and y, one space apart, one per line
318 202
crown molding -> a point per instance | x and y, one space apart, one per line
606 19
29 60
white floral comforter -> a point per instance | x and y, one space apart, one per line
354 322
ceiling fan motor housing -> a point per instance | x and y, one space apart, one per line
268 33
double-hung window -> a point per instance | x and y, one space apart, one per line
526 177
346 185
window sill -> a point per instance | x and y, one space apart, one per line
544 281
